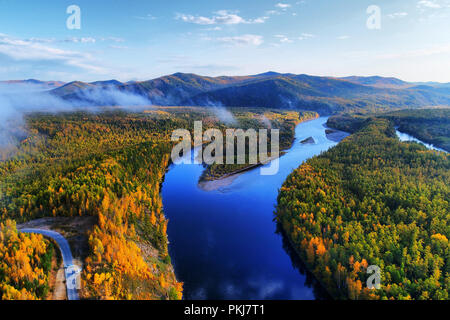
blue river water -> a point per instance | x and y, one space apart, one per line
224 244
406 138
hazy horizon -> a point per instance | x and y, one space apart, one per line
214 76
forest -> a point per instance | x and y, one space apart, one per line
431 125
372 200
25 262
107 164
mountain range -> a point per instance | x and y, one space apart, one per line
38 84
326 95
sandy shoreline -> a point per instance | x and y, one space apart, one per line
337 136
213 185
216 184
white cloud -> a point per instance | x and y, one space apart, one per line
113 46
281 9
26 50
81 40
273 12
217 28
195 19
435 50
433 9
113 39
305 36
428 4
42 40
283 5
344 37
219 17
146 17
283 38
246 39
73 40
397 15
260 20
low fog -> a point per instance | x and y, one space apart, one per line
110 96
221 112
17 99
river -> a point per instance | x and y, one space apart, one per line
224 244
406 137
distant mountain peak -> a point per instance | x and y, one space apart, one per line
179 74
112 82
268 74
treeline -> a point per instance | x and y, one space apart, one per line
372 200
429 125
25 264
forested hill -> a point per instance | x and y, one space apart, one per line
322 94
372 200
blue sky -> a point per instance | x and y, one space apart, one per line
142 39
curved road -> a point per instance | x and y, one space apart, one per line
70 270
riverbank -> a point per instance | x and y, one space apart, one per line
253 260
406 137
326 219
335 135
215 172
227 179
213 185
298 254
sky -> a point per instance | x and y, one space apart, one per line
144 39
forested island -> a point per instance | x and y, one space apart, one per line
285 121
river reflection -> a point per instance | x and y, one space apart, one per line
319 292
224 244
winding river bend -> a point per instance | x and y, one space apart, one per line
225 244
406 137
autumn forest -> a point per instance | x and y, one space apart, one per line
371 200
